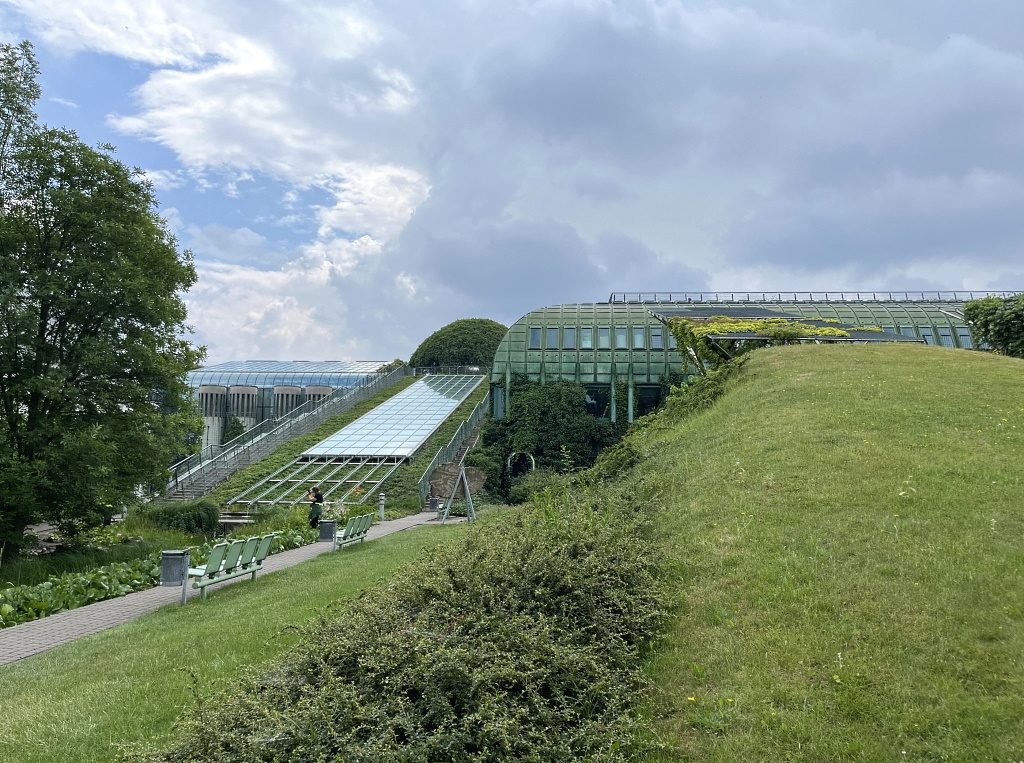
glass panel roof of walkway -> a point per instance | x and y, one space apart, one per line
401 424
267 373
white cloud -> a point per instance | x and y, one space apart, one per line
488 158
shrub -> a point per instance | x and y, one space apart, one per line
524 641
523 488
467 342
201 517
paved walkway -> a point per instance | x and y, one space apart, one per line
37 636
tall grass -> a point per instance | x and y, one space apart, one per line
847 522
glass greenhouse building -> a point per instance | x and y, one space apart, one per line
256 390
626 340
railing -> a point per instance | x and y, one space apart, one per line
199 473
449 451
450 370
630 297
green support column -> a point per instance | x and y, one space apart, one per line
508 386
629 400
612 411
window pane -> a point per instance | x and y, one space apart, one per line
620 338
965 337
534 338
927 335
672 341
946 336
656 338
638 338
587 338
552 338
569 338
603 338
908 331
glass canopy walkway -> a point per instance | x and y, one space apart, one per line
351 464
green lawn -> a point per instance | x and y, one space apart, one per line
849 531
79 702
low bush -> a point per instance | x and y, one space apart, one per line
524 641
523 488
201 517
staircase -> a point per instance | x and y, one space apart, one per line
469 443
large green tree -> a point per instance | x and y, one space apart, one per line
94 402
999 322
466 342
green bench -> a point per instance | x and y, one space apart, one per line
232 560
354 531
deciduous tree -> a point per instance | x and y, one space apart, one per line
93 397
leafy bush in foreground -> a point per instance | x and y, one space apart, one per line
522 642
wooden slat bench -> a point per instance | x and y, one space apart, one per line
232 560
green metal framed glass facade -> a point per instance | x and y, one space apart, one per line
623 340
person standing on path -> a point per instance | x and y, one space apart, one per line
316 508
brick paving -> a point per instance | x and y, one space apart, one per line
37 636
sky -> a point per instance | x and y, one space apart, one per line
350 177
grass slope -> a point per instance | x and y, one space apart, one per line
849 529
77 703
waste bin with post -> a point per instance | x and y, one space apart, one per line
174 570
435 506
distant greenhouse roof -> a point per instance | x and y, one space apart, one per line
270 373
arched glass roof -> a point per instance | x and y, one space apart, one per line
299 373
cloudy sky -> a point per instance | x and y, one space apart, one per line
352 176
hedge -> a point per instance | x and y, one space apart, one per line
524 641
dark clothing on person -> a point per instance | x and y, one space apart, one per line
316 509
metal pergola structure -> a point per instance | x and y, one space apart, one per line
352 480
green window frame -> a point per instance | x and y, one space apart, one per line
621 338
534 338
569 337
656 338
604 338
587 338
638 338
552 338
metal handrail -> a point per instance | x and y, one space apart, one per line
220 462
639 297
449 451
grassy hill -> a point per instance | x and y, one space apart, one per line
849 529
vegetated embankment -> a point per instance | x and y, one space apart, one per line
850 529
523 641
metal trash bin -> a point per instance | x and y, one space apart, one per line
328 529
174 570
435 504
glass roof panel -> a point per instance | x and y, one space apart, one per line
269 373
401 424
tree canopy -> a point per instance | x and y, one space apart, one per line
93 397
466 342
999 322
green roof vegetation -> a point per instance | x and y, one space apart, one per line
847 525
466 342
